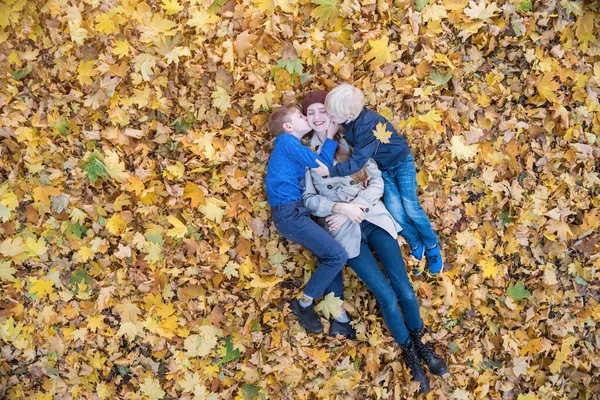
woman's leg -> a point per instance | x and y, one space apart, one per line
368 271
388 251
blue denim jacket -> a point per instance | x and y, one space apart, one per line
359 134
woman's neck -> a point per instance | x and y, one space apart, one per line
322 135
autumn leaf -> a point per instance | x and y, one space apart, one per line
482 10
547 87
7 271
151 388
461 150
221 99
379 54
40 288
195 194
517 291
85 72
381 132
330 306
326 10
179 229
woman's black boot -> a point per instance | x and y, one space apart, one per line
413 362
437 366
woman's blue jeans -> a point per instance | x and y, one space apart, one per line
400 198
393 289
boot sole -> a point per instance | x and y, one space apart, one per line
297 314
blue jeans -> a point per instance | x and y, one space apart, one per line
400 198
393 289
293 221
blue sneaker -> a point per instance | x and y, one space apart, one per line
418 252
434 260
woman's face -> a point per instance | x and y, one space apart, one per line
318 118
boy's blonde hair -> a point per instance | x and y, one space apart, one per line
280 116
345 100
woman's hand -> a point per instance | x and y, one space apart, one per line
353 211
335 221
332 129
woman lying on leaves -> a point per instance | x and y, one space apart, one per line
350 208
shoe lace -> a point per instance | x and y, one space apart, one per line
434 259
426 351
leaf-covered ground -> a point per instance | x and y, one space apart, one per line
137 257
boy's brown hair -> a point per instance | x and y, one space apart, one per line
280 116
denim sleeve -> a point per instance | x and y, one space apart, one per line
296 150
365 146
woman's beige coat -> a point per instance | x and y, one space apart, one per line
321 194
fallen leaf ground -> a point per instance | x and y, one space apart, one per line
137 255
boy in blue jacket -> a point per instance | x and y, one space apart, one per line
284 187
345 104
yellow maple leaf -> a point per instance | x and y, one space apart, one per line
175 171
482 10
200 345
202 20
221 99
262 101
434 12
585 29
36 247
264 282
42 194
135 185
85 71
194 193
102 390
213 209
40 288
546 86
171 6
7 271
380 53
13 247
330 305
78 34
105 24
266 6
460 150
382 133
121 48
114 166
489 266
179 230
115 224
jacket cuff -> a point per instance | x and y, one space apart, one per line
362 201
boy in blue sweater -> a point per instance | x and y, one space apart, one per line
284 187
345 104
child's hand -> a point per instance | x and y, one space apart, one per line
332 129
321 170
336 221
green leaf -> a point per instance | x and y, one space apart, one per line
62 126
580 281
77 229
216 5
326 11
294 66
419 4
452 347
77 277
518 292
230 353
22 73
439 79
249 391
95 168
525 6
